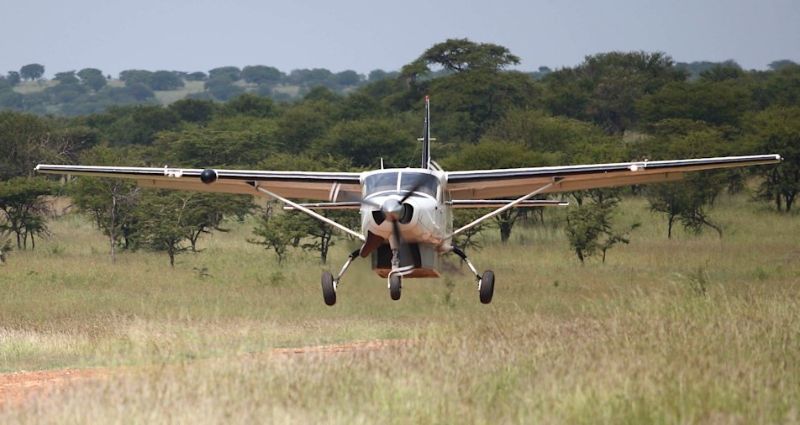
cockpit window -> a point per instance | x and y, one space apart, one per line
427 183
380 182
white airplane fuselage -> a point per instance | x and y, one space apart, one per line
431 219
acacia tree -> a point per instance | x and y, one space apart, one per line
459 55
590 226
23 207
685 202
31 71
206 211
162 222
274 231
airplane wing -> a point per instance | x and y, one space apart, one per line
328 186
512 182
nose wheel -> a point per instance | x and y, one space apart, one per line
395 285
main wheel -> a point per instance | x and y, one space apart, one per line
395 283
486 286
328 290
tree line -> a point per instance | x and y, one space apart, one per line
615 106
88 90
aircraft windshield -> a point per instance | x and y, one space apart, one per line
380 182
427 183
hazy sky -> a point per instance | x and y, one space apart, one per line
363 35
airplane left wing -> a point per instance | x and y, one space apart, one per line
317 185
512 182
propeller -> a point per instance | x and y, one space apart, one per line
397 212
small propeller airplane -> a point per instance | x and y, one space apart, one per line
406 213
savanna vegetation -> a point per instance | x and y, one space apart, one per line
683 308
692 329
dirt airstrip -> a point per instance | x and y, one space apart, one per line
18 387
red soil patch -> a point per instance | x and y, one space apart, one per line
18 387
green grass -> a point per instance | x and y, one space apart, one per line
693 329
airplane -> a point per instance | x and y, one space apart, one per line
406 213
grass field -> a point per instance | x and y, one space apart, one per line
688 330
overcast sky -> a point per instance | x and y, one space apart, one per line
363 35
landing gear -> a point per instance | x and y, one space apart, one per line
486 286
485 281
329 284
395 285
328 288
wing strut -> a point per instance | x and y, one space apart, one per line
511 204
314 214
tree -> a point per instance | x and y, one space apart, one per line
92 78
206 211
461 55
162 222
469 103
252 105
13 78
310 77
274 231
590 229
111 203
140 124
165 80
227 73
67 77
684 202
26 140
347 78
205 147
260 74
139 92
194 110
779 88
314 235
136 76
777 130
366 141
23 207
223 88
719 103
606 87
780 64
31 72
299 126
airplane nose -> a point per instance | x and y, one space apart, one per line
392 209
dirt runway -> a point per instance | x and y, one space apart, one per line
18 387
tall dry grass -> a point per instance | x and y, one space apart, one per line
694 329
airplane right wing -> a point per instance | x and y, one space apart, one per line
513 182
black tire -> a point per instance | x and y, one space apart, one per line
328 291
395 284
487 286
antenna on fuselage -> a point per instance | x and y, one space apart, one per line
426 136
